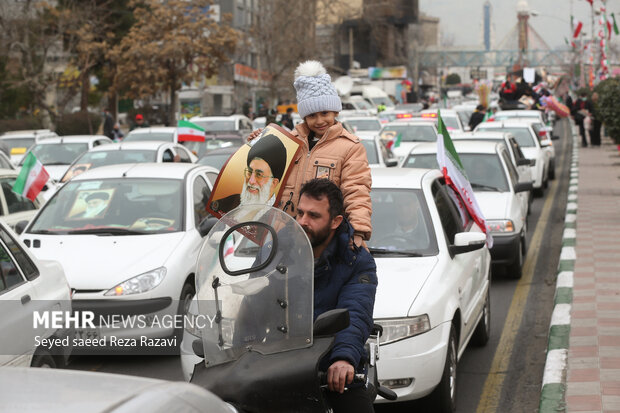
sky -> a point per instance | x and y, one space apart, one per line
552 23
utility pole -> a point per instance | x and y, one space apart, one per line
350 48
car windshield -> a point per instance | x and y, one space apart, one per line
522 135
516 115
216 125
451 122
361 104
58 153
371 151
215 160
410 133
485 171
401 223
425 161
365 124
150 136
18 146
96 159
115 206
201 148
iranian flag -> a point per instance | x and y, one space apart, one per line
394 142
455 176
31 179
188 131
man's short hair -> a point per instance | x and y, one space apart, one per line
317 188
270 149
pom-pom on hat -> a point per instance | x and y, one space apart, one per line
315 91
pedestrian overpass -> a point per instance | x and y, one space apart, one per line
494 58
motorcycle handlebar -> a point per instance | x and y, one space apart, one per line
357 378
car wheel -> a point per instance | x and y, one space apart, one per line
552 170
187 293
515 270
43 359
444 396
483 329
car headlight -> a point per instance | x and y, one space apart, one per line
140 283
401 328
500 226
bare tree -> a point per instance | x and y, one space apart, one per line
283 36
35 51
170 43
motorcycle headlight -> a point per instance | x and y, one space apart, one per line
401 328
500 226
140 283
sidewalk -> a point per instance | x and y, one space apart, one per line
593 374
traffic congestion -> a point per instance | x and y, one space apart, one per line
380 222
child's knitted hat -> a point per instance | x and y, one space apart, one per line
315 91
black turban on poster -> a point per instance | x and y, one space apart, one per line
270 149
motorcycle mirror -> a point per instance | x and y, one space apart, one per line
331 322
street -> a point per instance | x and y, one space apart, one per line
506 374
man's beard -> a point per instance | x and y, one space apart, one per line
319 237
91 212
263 195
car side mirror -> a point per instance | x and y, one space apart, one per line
532 162
331 322
20 227
391 162
206 224
523 187
555 137
523 161
467 242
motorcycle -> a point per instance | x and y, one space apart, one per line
261 347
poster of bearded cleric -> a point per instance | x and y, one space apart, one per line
255 173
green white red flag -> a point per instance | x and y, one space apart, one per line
31 178
394 142
188 131
452 169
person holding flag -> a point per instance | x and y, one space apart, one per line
452 169
394 142
31 179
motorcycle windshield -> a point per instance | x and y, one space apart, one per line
254 285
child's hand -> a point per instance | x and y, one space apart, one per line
254 134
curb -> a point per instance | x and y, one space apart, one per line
552 397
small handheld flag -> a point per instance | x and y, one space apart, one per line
31 178
188 131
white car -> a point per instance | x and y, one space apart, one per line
496 185
410 131
519 160
156 133
545 139
18 142
15 208
237 124
63 391
434 284
363 124
450 117
377 153
129 152
28 285
56 154
136 229
530 145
